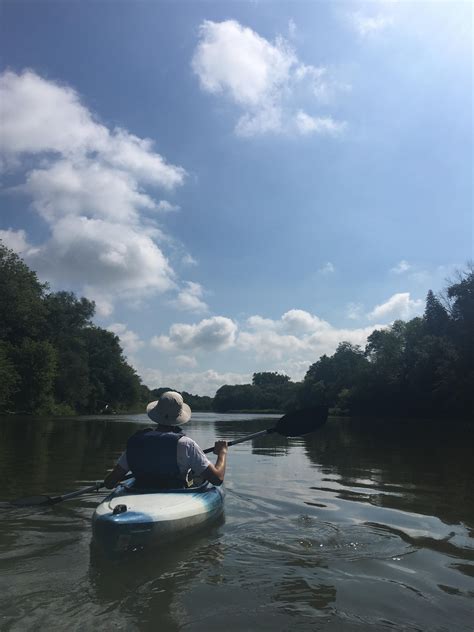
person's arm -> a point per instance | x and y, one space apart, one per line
215 473
115 476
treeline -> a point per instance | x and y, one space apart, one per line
196 402
423 367
53 359
269 392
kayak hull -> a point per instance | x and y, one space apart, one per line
130 519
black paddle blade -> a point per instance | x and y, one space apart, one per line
301 422
33 501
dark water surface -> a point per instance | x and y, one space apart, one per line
362 526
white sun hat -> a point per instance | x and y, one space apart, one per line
169 410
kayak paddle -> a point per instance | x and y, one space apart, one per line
53 500
295 424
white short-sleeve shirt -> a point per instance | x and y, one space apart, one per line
188 455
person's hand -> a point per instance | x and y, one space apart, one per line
220 446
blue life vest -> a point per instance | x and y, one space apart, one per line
152 458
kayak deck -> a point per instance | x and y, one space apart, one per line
132 518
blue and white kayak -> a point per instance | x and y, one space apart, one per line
131 518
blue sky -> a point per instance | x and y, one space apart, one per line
238 185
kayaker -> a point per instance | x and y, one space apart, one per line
163 456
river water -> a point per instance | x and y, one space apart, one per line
364 525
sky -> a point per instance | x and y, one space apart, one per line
239 186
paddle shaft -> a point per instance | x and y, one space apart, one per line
79 492
242 439
297 423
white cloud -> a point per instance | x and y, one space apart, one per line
104 302
354 311
327 268
86 189
129 340
288 345
186 361
367 25
136 156
189 260
264 79
200 383
268 119
209 334
15 240
298 321
307 124
41 116
86 182
292 28
165 206
103 256
235 60
397 306
190 298
401 267
296 335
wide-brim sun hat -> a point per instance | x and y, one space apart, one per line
169 410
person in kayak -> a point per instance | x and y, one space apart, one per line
162 457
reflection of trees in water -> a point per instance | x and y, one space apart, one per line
420 466
41 455
270 445
235 428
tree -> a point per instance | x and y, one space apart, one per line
436 318
9 377
36 365
329 376
22 312
112 380
461 294
269 379
67 317
238 397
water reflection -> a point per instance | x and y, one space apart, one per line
425 467
361 526
272 444
45 455
145 586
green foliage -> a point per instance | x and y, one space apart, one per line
238 397
329 376
22 311
112 380
268 380
198 402
423 367
462 295
436 318
9 377
52 358
36 365
269 391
